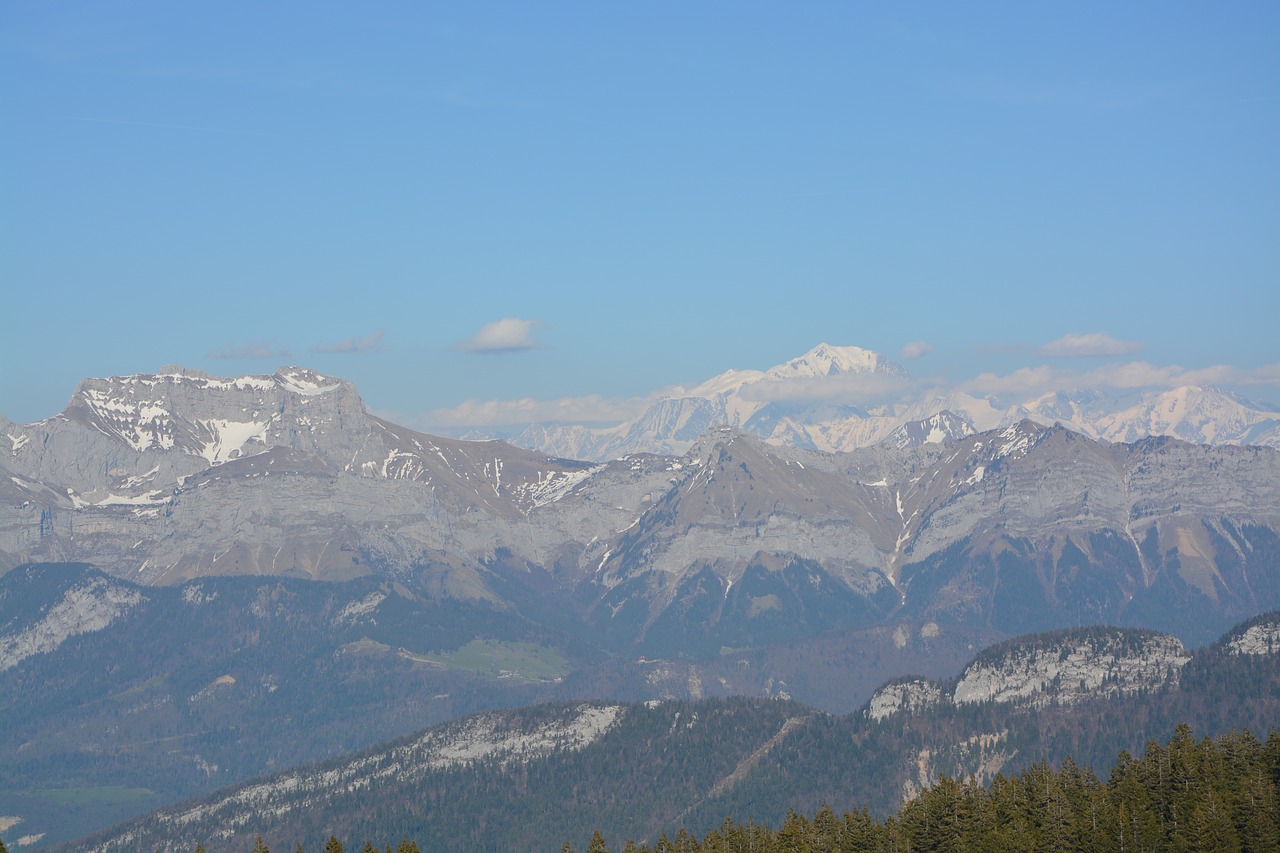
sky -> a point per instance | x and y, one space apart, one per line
504 211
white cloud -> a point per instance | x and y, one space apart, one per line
252 349
370 343
1077 345
915 349
1024 380
506 335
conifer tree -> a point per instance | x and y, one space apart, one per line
260 846
333 845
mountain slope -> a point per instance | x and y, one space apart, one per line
638 770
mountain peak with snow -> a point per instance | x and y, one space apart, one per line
828 360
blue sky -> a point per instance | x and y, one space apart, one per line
588 201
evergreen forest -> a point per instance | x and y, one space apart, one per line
1220 795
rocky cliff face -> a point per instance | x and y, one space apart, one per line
1063 668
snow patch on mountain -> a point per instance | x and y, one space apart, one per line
228 438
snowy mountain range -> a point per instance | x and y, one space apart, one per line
810 402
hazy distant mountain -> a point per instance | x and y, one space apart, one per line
772 405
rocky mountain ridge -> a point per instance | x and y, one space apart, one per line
736 544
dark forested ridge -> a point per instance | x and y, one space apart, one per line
1216 796
1201 796
638 771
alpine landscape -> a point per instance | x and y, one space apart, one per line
210 564
650 428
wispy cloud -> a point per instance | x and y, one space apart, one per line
591 408
1121 376
250 350
370 343
1077 345
915 349
509 334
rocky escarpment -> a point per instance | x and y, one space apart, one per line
1258 637
86 605
1073 668
1062 668
913 695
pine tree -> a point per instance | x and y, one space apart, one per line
260 846
333 845
597 844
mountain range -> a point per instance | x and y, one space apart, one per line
811 402
209 562
738 543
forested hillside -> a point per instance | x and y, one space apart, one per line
517 780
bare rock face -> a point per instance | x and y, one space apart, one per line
1062 668
1260 638
1073 668
913 695
84 607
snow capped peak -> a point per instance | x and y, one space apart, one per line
727 382
307 383
828 360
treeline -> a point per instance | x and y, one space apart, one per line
1221 796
